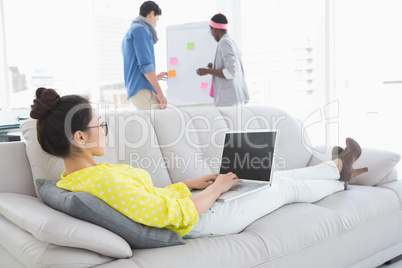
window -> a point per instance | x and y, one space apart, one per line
284 57
368 69
48 44
75 46
283 53
3 62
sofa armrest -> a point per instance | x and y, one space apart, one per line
16 175
381 164
54 227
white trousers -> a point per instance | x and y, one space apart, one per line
304 185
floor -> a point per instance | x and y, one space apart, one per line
397 264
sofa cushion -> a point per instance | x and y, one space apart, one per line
294 148
380 164
136 143
31 252
295 227
370 218
53 227
89 208
240 250
185 147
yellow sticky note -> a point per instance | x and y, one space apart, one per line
172 73
190 46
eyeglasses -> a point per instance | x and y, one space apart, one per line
104 126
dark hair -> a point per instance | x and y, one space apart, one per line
219 18
149 6
51 112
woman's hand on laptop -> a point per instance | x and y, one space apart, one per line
201 182
217 184
226 181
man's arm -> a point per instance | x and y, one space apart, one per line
229 60
214 72
143 46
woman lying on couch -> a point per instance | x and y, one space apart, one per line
130 190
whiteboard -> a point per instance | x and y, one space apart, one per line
189 46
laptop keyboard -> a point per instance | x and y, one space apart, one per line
236 189
246 186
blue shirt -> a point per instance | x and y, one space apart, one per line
139 58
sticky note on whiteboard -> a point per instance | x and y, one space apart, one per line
172 73
173 61
204 85
190 45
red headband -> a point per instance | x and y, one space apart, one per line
218 25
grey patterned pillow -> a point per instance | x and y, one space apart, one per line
89 208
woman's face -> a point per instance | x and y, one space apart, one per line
96 135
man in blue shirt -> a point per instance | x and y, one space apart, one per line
143 89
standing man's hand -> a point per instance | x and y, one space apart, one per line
162 76
205 71
153 80
209 70
202 71
162 101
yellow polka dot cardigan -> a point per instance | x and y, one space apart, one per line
131 191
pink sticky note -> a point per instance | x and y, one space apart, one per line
204 85
173 61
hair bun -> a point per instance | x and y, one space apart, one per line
46 100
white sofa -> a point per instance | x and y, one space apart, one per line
360 227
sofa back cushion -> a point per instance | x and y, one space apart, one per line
178 144
294 147
132 136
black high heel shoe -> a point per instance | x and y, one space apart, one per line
348 157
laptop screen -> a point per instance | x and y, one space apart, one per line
250 155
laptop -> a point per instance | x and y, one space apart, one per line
251 156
